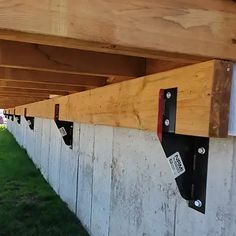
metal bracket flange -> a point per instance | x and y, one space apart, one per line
10 116
29 119
187 155
7 116
17 117
65 127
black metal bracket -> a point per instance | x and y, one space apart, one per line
10 116
18 119
6 115
65 127
29 119
187 155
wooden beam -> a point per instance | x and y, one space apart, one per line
32 91
158 29
156 66
41 86
23 95
24 75
16 77
16 101
152 66
58 59
202 101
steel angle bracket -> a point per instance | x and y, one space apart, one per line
29 119
5 114
10 116
65 127
187 155
18 119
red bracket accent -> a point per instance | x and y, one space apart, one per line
160 114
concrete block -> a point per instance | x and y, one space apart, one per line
8 125
69 169
25 127
30 145
45 147
13 127
119 183
85 175
21 140
220 216
143 191
102 164
54 157
17 130
18 133
38 127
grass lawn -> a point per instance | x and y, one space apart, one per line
28 205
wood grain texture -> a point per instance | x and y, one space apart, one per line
59 59
137 27
134 103
25 75
221 91
24 95
32 91
41 86
6 102
156 66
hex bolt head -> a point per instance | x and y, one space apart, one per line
201 150
198 203
168 95
167 122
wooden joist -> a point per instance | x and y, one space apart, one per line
41 86
13 101
66 60
32 91
20 94
46 77
159 29
202 101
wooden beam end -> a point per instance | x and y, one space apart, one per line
220 99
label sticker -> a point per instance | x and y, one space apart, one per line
63 131
176 164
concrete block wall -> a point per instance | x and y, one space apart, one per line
118 182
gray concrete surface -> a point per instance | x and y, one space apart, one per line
118 181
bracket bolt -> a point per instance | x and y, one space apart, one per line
228 69
167 122
198 203
168 95
201 150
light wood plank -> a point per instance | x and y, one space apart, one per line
16 74
59 59
158 29
24 95
202 101
41 86
6 102
32 91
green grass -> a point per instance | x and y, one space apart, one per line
28 205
